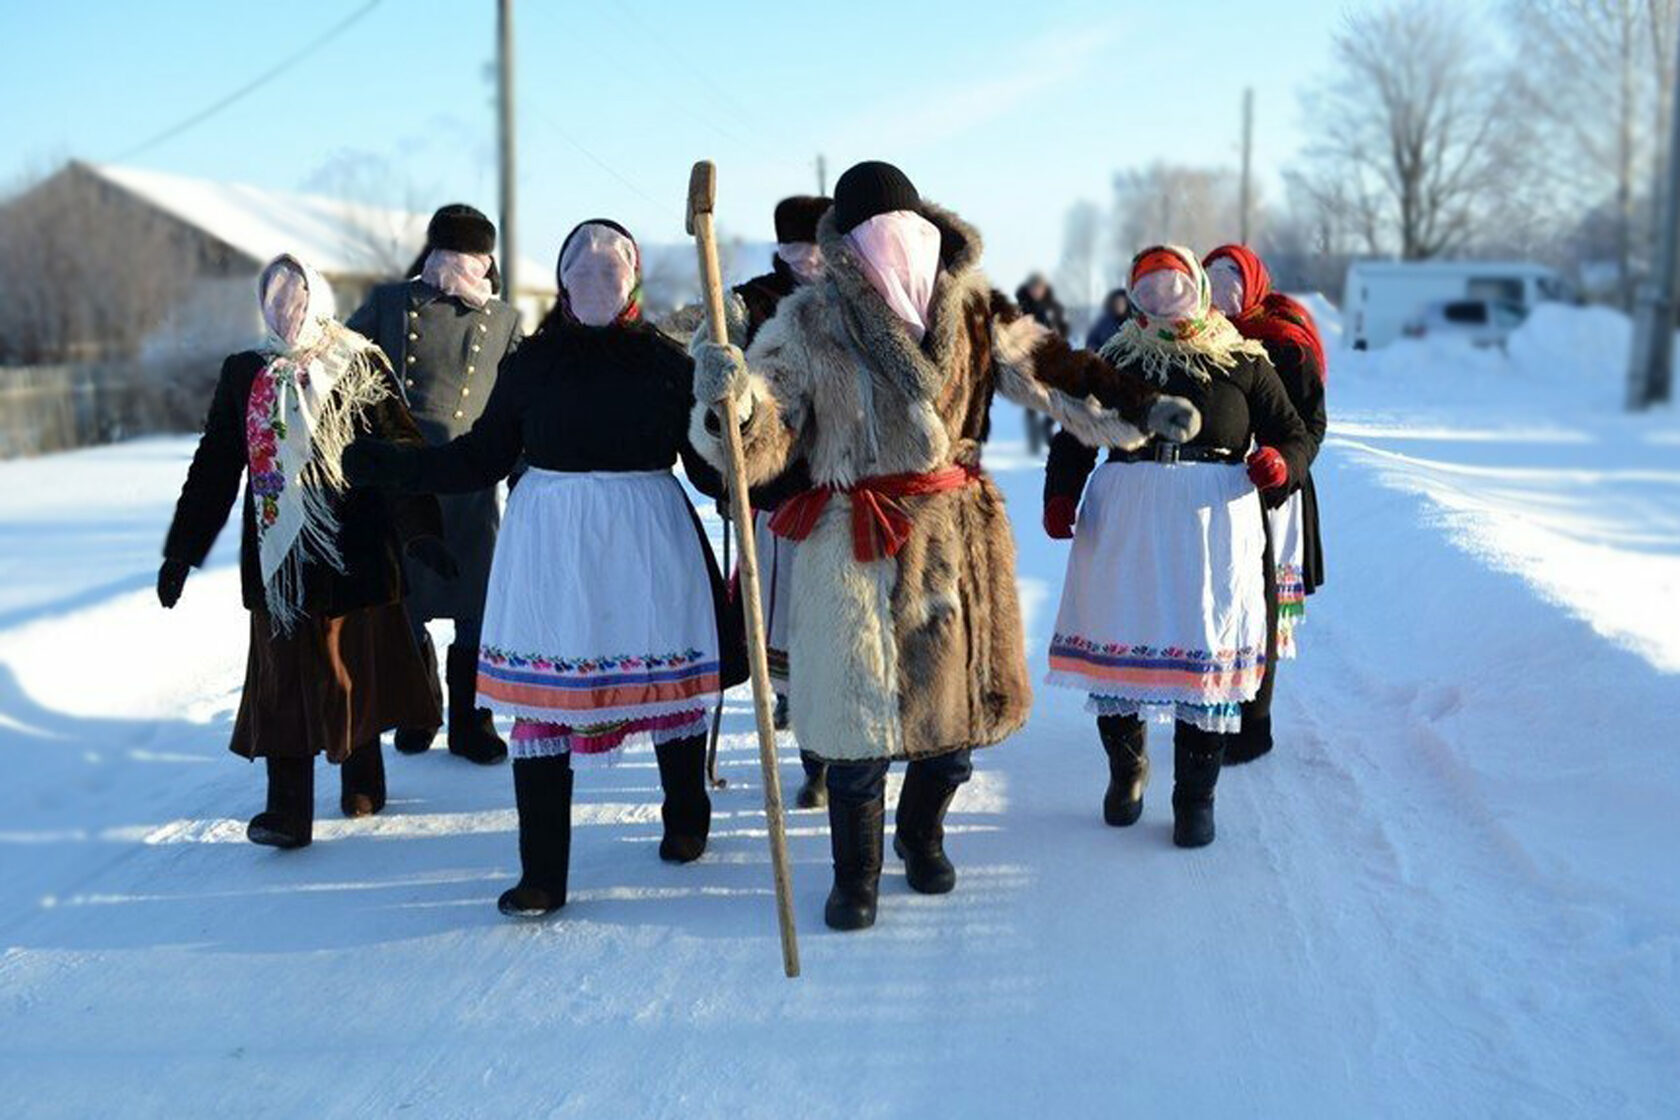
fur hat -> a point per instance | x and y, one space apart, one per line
871 188
796 218
461 228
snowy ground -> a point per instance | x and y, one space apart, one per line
1448 893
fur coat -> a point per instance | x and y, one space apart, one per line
918 654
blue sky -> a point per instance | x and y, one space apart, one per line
1006 112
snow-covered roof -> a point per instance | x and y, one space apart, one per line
340 238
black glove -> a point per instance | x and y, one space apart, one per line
172 577
372 462
433 555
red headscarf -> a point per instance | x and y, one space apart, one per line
1266 315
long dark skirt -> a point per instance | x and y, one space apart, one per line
331 684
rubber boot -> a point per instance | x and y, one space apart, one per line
919 836
542 792
813 791
472 733
418 740
856 832
1128 768
289 819
361 781
1197 757
687 811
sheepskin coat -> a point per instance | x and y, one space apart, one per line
918 654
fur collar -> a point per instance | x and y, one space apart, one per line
878 336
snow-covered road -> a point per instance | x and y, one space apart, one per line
1448 893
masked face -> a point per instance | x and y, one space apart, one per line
285 303
1166 294
1226 282
598 271
804 257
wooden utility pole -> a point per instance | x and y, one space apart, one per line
1247 189
1651 368
822 175
504 112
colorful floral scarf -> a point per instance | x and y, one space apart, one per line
299 418
1190 335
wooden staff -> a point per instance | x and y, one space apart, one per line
702 194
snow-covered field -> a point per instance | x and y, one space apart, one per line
1450 891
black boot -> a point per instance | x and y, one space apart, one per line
418 740
542 791
361 781
919 838
687 811
780 718
289 819
472 733
1254 740
1128 768
813 792
856 833
1197 756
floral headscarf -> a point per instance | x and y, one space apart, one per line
299 418
1173 323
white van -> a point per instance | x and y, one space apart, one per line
1381 297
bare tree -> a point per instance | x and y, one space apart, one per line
1596 77
85 273
1413 135
1081 234
1195 206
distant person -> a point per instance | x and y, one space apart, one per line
1164 606
446 332
607 618
332 661
1242 289
1115 310
1036 300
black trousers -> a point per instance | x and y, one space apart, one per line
857 783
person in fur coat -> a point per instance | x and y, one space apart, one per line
1242 291
905 630
1164 605
332 662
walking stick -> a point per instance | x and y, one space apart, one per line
702 193
717 712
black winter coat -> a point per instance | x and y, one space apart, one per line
1243 403
373 525
577 398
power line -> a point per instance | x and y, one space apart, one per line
589 155
253 85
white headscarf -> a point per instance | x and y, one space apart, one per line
299 418
899 251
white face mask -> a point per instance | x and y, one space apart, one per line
899 252
1167 294
1226 284
294 301
804 257
598 271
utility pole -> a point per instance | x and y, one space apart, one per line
1247 190
822 175
1651 369
504 112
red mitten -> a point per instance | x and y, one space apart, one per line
1266 469
1060 513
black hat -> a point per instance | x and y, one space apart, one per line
462 229
871 188
797 217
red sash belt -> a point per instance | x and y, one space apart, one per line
880 523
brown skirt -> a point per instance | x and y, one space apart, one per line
331 685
